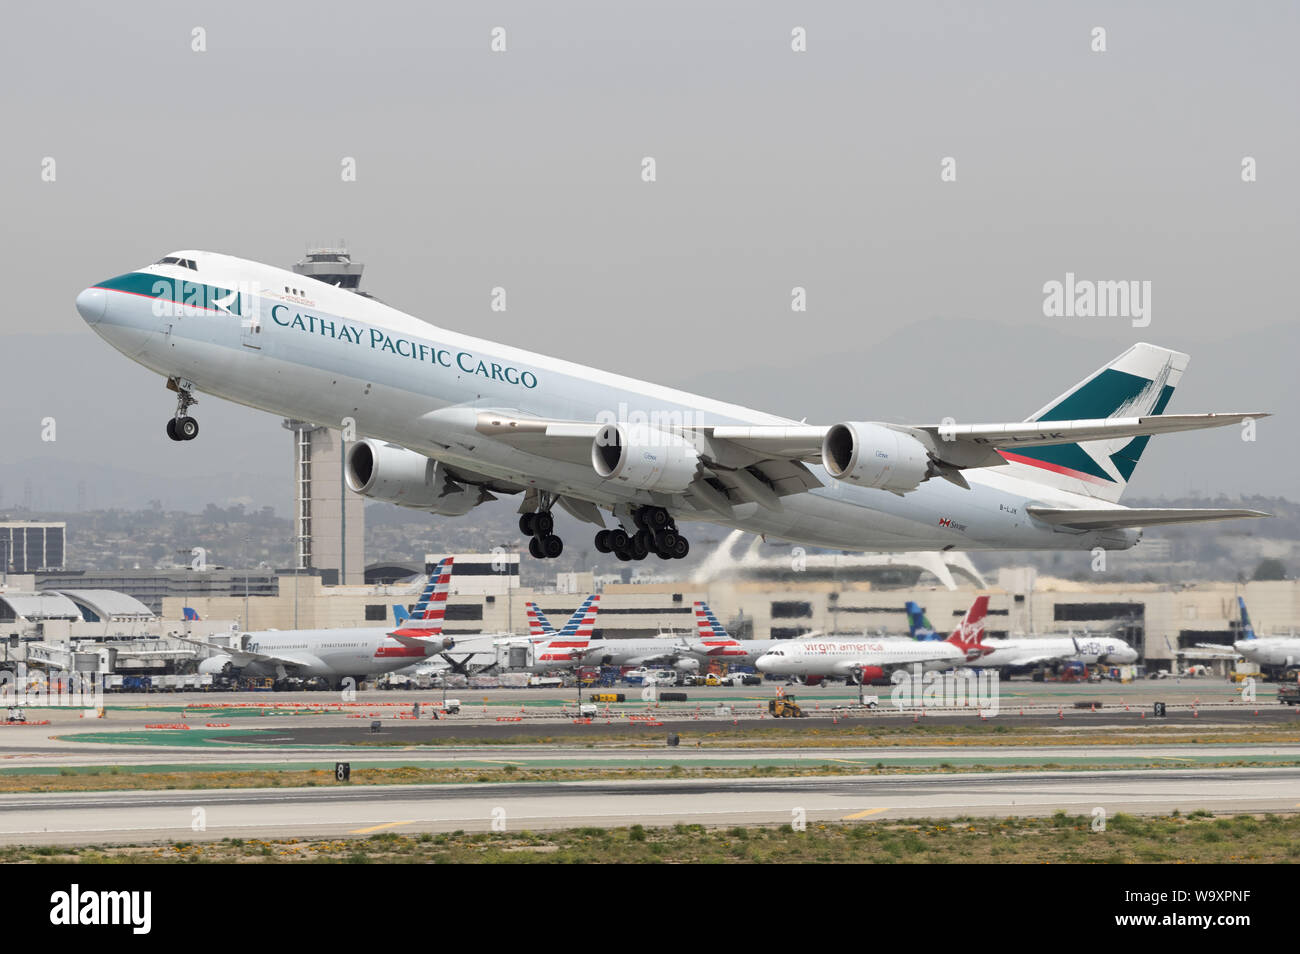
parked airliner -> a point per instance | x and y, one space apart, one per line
336 654
449 421
866 659
1268 652
712 642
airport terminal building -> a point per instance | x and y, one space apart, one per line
1157 619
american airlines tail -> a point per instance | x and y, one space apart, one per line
1139 383
707 625
427 617
538 624
583 621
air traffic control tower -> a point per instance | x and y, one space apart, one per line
329 523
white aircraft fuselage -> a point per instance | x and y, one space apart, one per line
1270 650
1017 652
328 653
842 657
298 348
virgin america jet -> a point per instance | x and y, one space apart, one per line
866 660
448 421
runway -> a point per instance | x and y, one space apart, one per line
138 758
336 810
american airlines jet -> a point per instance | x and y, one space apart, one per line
335 654
450 421
567 649
713 642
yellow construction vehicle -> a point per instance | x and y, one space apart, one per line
784 707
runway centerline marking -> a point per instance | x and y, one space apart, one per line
366 831
870 811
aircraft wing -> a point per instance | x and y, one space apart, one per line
1118 518
654 658
764 462
971 445
240 656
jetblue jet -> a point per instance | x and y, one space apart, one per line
449 421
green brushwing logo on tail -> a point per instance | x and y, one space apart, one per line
1111 393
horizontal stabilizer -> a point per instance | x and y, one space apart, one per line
1119 518
423 639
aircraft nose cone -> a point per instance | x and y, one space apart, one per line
91 304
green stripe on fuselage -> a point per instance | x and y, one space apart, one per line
177 291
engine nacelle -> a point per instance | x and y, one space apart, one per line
644 457
872 455
866 675
404 477
220 665
687 664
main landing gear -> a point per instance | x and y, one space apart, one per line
544 545
656 533
182 427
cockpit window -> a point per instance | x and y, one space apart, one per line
177 260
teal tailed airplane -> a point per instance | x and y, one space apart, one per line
445 421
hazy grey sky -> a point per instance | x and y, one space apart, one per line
775 169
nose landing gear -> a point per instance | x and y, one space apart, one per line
182 427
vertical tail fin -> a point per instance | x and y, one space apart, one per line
1139 383
969 634
583 620
538 624
427 617
707 625
711 637
918 624
1247 631
573 642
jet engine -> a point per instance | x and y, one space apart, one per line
872 455
644 457
686 664
220 665
394 474
866 675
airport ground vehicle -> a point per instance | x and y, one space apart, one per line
785 707
643 676
1289 695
